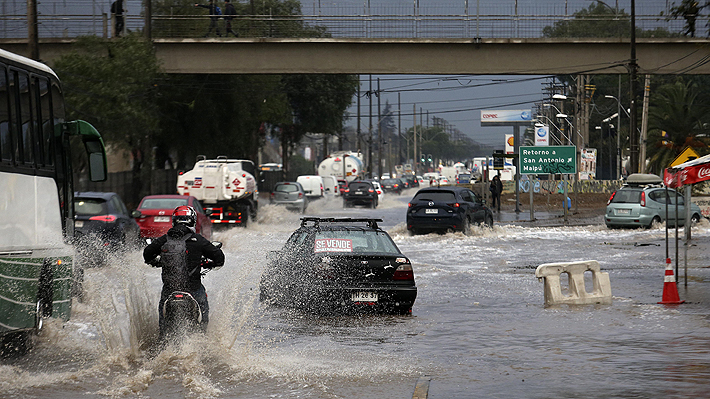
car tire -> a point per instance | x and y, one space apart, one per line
656 219
488 222
694 219
466 229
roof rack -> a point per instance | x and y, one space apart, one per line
371 222
643 180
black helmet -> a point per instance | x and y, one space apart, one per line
184 214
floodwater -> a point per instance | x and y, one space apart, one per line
478 327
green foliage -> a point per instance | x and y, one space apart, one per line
595 21
110 83
677 110
298 166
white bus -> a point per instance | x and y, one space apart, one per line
36 192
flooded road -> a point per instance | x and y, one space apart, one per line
478 327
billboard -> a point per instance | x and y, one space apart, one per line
505 117
542 135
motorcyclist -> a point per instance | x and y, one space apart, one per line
184 219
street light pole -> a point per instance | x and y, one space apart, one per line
633 69
618 136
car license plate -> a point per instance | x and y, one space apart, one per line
161 219
364 297
432 210
358 192
79 223
623 211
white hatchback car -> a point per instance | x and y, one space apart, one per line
380 191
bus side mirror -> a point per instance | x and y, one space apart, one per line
94 145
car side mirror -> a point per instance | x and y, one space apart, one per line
136 214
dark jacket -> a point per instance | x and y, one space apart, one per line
229 12
196 246
496 186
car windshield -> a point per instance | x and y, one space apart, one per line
286 188
90 206
163 203
627 197
354 241
360 186
436 196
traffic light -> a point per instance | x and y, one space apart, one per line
429 157
422 157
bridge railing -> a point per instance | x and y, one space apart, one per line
338 26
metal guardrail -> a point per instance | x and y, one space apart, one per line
339 26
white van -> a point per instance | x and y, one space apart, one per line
312 185
330 185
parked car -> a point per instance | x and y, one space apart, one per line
379 190
463 178
360 192
102 225
642 202
291 195
446 209
154 215
312 186
340 264
392 185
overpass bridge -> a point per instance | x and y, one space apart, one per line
498 56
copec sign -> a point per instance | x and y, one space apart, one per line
548 160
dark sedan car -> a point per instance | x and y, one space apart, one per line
446 209
340 264
392 185
102 225
360 192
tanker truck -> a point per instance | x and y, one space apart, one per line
344 165
225 187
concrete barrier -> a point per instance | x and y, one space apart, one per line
550 273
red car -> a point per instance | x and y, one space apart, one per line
154 215
342 185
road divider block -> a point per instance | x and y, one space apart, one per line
549 273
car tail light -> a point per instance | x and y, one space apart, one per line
611 198
643 198
454 205
347 190
300 195
379 192
104 218
371 190
410 205
273 195
404 272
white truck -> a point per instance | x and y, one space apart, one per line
343 165
225 187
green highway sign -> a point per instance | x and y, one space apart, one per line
548 160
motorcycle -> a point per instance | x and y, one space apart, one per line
181 312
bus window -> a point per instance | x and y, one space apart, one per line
14 117
27 117
5 137
47 129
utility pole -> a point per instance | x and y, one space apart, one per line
379 132
633 70
358 132
32 35
416 154
148 32
369 145
644 124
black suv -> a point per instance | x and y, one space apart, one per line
446 208
360 192
340 264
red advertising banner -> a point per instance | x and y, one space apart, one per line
688 175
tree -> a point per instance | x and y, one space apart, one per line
110 84
677 119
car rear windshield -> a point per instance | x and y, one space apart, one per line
627 197
360 186
163 203
286 188
355 241
90 206
390 181
436 196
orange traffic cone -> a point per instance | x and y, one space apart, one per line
670 289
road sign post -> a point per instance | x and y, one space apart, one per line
549 160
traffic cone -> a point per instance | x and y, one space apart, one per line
670 289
